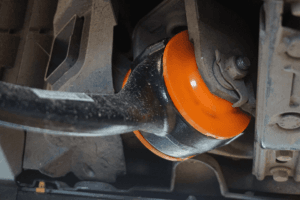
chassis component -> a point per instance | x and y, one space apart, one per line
277 123
87 32
142 105
202 24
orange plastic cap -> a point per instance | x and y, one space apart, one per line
207 113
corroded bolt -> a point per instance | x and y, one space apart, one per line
236 67
280 174
289 121
243 63
284 156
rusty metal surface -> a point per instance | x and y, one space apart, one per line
209 32
237 174
65 50
89 158
28 68
35 37
25 42
266 161
164 21
277 120
35 55
93 72
222 175
234 76
76 62
278 93
11 23
90 72
93 159
66 10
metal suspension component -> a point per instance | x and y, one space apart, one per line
211 116
178 129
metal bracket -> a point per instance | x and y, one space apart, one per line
232 77
278 117
209 32
65 50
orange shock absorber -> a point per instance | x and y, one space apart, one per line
204 111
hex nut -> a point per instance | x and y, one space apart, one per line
243 62
234 70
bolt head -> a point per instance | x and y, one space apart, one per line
243 63
232 68
280 176
289 121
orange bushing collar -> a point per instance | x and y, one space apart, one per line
207 113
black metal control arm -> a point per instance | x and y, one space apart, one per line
141 105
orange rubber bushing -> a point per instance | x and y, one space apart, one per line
145 142
206 112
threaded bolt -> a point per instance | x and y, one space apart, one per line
243 63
